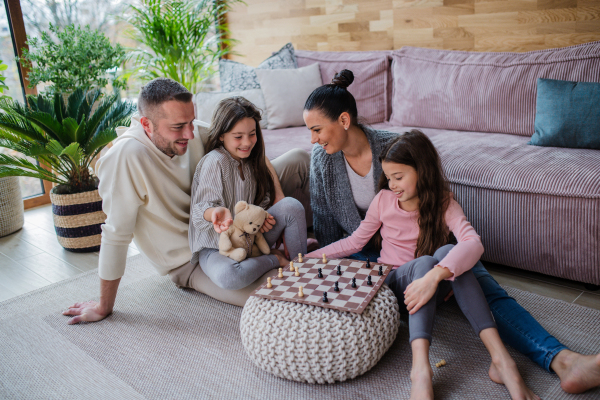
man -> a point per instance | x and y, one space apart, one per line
145 183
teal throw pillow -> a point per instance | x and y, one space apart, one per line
567 114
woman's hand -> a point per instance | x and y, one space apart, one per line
418 293
268 224
221 219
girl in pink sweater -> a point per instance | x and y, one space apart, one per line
415 213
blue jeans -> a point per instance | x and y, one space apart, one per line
516 326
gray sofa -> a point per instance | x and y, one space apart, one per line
536 208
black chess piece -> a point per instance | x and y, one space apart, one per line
369 281
325 300
353 282
320 273
368 264
380 270
336 287
339 269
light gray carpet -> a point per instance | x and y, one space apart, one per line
167 343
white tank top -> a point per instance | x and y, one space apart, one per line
363 189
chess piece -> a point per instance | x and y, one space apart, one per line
280 273
300 292
339 269
300 257
369 281
269 284
440 364
292 266
368 264
336 287
297 273
325 300
354 282
320 273
380 270
324 259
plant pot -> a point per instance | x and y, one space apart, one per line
11 206
77 220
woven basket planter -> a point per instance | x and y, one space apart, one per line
77 220
11 206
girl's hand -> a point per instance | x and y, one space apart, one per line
418 293
221 219
268 224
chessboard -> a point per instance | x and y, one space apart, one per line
316 289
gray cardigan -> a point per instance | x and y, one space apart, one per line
334 211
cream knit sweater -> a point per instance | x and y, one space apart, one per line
146 197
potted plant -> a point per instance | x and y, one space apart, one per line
79 58
65 136
183 39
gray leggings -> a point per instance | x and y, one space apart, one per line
467 291
230 274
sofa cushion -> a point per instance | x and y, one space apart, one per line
371 84
237 76
279 141
206 102
506 162
285 92
567 114
483 92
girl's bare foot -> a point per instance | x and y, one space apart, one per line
421 383
577 372
505 372
283 262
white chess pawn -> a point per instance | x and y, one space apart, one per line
324 258
292 266
280 275
269 284
300 257
297 273
300 292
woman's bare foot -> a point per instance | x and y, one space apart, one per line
577 372
421 383
283 262
505 372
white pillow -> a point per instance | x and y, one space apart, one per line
206 102
285 92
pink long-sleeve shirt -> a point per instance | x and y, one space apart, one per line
400 231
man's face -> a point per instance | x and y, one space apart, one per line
171 127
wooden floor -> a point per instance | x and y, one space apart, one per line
32 258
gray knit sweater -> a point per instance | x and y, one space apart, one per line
334 211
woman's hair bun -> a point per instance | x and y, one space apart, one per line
343 79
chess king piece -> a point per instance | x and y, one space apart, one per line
269 284
300 292
292 266
369 281
368 263
336 287
320 273
325 300
280 275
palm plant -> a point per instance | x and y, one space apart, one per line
65 135
185 39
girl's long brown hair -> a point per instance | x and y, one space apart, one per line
229 112
416 150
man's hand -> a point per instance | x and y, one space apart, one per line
89 312
268 224
221 219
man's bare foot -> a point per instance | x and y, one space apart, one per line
421 383
283 262
577 372
505 372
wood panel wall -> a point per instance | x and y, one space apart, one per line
263 26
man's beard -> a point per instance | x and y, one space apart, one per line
163 145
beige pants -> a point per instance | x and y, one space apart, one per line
191 276
293 170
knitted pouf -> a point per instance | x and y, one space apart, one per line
11 206
318 345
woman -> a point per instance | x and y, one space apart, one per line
344 175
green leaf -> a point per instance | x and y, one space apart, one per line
54 147
73 152
69 131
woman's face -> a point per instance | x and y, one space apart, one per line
240 140
331 135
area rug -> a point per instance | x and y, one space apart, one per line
167 343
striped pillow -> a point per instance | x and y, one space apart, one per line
483 92
371 71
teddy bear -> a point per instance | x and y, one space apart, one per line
243 238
